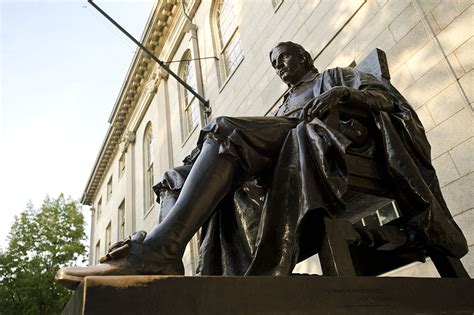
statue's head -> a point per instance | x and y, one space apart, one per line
291 62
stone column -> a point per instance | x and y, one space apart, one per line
127 147
91 238
191 29
165 118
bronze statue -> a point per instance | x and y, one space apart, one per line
260 186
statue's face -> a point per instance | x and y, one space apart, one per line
288 63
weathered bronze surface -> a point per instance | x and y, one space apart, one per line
295 168
260 186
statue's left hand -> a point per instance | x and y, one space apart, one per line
321 105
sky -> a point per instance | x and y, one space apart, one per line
61 69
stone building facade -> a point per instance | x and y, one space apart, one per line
154 123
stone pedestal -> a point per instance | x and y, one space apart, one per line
271 295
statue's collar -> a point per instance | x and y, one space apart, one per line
308 77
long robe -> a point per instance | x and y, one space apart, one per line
291 171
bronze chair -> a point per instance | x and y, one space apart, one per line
341 253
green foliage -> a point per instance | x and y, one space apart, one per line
40 242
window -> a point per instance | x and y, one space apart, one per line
99 208
148 169
97 252
121 221
227 36
122 164
109 188
108 236
189 102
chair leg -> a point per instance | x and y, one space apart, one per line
334 254
449 267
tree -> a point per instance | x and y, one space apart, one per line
40 242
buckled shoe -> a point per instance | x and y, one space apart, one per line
128 257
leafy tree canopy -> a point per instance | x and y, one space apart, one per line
40 242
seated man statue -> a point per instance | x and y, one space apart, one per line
259 187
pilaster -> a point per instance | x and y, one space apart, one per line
127 146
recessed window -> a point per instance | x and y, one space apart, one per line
108 236
189 103
148 169
122 164
227 36
97 252
99 209
109 188
121 220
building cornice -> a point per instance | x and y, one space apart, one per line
154 36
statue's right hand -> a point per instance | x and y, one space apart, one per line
320 105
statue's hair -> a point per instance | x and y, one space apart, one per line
301 51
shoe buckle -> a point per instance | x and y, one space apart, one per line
117 250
